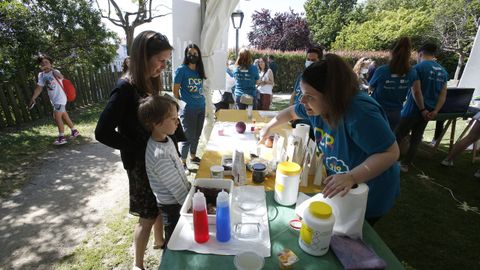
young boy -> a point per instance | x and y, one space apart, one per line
51 79
422 106
159 114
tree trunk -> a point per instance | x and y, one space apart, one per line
129 34
460 63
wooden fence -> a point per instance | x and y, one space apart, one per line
92 86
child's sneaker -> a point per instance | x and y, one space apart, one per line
186 170
447 163
403 168
60 140
75 134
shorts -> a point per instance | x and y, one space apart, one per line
59 108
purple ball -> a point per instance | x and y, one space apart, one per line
240 127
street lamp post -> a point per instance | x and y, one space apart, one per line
237 19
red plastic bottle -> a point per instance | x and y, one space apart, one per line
200 219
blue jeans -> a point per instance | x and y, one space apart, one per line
192 122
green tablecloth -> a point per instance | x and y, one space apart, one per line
281 236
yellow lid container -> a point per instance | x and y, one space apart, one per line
288 168
320 210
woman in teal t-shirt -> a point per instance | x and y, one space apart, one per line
351 131
391 83
246 77
188 86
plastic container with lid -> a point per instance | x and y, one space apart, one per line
223 217
317 228
259 170
287 180
200 219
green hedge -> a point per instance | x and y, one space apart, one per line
293 62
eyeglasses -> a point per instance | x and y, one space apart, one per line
307 98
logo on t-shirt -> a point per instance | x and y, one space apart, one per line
322 138
335 165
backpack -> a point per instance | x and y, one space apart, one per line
68 88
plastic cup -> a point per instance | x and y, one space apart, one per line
216 171
248 261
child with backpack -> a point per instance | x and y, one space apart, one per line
51 79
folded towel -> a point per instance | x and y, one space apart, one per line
354 254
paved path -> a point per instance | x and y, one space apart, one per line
68 196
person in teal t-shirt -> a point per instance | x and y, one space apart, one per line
422 105
391 83
188 86
352 132
246 77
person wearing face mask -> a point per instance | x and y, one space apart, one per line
119 127
351 131
313 55
361 69
188 86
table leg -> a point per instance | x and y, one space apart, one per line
437 143
452 134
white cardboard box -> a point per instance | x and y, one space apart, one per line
226 184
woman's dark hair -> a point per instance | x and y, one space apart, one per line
199 65
400 61
153 110
125 65
44 56
146 45
334 78
265 62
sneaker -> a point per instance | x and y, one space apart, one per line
195 160
186 170
60 140
447 163
403 168
477 174
75 134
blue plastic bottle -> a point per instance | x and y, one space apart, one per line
223 217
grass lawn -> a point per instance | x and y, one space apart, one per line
427 229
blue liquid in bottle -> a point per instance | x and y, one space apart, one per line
223 217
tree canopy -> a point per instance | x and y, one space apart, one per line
380 32
326 18
69 31
285 31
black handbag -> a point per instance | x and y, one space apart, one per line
227 97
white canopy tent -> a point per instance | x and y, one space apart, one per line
470 76
204 23
217 15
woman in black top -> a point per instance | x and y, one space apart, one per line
149 55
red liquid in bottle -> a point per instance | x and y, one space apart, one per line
200 226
